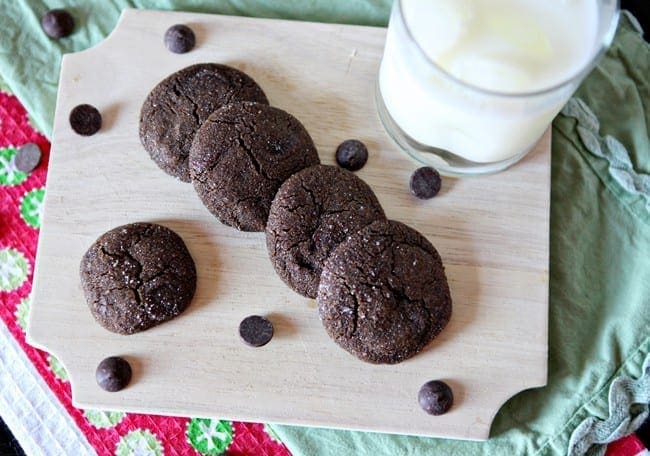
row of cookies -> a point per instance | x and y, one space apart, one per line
381 288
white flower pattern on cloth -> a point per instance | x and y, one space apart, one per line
140 442
14 269
22 312
9 174
209 436
57 368
31 207
104 420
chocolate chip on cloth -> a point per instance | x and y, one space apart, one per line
240 157
177 106
27 158
137 276
85 120
312 213
179 39
383 294
57 23
113 374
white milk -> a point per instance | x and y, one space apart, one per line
505 46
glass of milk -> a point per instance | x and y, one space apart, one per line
469 86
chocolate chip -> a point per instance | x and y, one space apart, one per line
27 158
57 23
425 182
113 373
85 120
435 397
179 39
255 330
352 154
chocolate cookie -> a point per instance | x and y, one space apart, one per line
312 213
383 293
176 108
240 157
137 276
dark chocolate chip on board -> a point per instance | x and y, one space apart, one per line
352 155
85 119
113 374
256 331
435 397
425 182
57 23
179 39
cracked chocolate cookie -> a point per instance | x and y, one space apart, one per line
383 293
177 106
137 276
312 213
240 157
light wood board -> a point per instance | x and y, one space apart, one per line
492 233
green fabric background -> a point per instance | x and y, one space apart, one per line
600 224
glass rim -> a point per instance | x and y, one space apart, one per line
605 42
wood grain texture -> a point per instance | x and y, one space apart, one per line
491 231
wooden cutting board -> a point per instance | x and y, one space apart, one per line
492 233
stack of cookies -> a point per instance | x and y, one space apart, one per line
212 125
381 288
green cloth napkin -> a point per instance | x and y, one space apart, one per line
599 328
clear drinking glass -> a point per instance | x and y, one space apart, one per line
480 107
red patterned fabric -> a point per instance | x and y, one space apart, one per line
108 433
